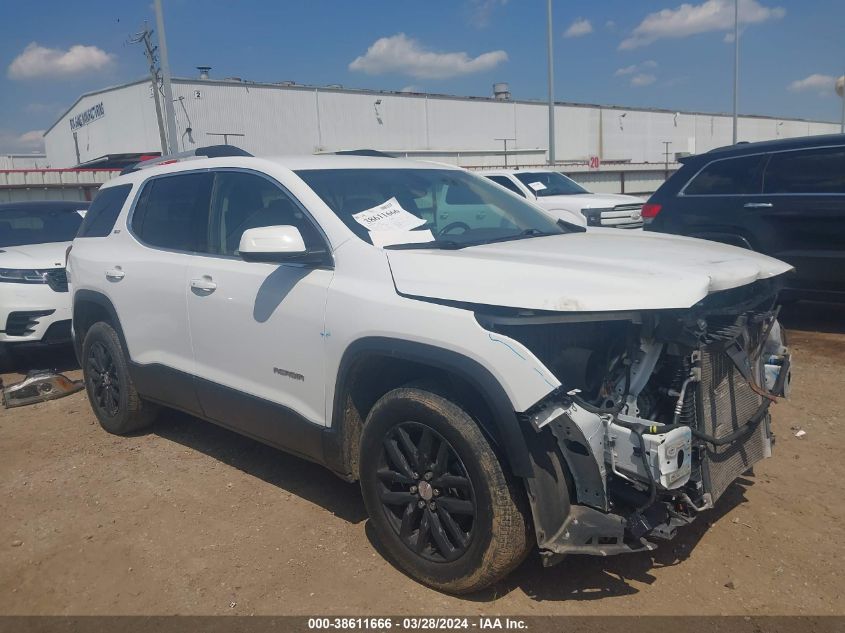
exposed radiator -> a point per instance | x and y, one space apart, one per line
726 403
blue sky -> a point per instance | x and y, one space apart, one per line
661 53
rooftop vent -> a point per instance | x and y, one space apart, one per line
203 71
501 91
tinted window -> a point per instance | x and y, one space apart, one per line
809 171
549 183
172 212
507 183
101 216
730 176
460 209
246 201
39 224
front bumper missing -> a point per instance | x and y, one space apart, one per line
588 531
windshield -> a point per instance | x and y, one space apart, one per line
436 208
549 183
39 224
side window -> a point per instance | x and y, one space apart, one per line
807 171
102 214
729 176
172 212
507 183
247 201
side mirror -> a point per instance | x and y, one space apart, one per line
277 245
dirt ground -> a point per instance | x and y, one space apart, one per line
192 519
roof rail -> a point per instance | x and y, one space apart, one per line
211 151
364 152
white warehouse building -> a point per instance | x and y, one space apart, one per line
117 124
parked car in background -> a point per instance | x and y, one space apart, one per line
495 379
784 198
567 200
34 299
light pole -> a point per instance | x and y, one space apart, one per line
840 90
551 87
736 66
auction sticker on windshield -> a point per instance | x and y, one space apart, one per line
537 186
388 216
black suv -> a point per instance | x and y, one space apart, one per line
784 198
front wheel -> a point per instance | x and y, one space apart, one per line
112 393
438 498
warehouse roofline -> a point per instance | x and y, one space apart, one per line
287 85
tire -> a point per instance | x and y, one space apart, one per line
477 531
111 392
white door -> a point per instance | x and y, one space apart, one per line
257 329
146 271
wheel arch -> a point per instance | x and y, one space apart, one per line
90 307
372 366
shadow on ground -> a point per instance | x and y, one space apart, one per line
292 474
59 358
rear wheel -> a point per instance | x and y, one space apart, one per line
438 498
112 394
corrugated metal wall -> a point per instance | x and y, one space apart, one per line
276 119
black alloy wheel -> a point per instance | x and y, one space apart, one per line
104 378
426 493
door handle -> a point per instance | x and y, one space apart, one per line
115 274
203 284
758 205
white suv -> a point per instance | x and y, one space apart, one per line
493 378
34 301
567 200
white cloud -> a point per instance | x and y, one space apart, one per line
635 68
822 84
642 79
578 28
39 61
15 143
406 56
691 19
481 11
610 25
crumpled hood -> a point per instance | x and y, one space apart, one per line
34 256
594 271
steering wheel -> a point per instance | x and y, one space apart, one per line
454 225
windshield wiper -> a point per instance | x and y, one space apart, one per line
444 245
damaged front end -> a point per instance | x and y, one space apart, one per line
657 414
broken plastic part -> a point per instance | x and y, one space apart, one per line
39 386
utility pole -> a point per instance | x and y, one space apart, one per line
505 140
170 113
736 66
145 37
551 88
666 145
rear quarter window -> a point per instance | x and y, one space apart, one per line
815 171
102 214
742 175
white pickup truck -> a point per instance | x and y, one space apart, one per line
567 200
